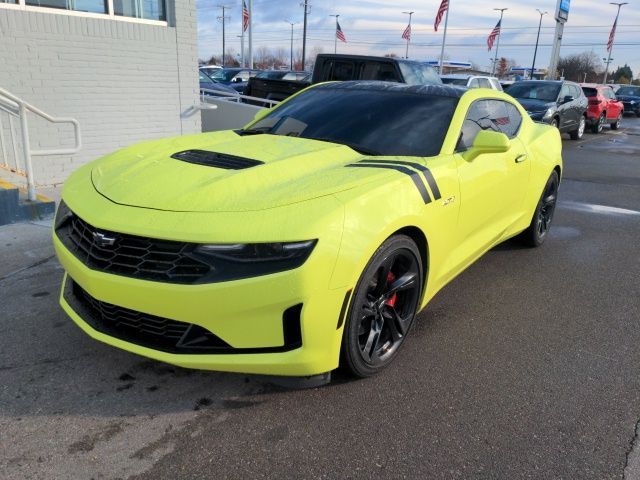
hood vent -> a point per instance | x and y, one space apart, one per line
213 159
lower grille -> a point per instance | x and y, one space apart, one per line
164 334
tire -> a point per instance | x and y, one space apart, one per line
383 307
578 133
555 123
538 230
616 125
599 125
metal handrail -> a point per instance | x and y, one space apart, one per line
22 108
235 97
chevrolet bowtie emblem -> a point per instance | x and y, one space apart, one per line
101 240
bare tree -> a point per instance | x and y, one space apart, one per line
580 67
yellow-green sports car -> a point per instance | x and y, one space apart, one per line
308 239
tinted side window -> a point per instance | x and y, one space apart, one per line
494 115
510 128
385 72
342 71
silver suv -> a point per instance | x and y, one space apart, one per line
472 81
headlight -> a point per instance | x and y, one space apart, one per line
62 215
632 102
243 260
549 113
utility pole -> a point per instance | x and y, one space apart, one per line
406 55
535 52
291 60
335 36
611 38
495 59
223 19
306 6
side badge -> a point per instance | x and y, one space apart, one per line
448 201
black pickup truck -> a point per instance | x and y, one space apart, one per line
333 67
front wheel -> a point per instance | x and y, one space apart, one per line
579 132
616 125
538 229
384 305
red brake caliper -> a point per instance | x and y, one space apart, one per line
392 301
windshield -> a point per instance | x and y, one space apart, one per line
224 75
204 78
455 81
547 92
633 91
374 122
418 74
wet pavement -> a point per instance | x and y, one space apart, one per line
526 366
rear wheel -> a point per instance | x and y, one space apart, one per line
383 307
599 125
537 232
579 132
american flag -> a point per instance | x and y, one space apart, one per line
340 34
492 36
245 16
612 35
407 32
444 6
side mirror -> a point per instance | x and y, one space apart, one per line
237 80
567 99
488 142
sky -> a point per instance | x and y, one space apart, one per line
374 27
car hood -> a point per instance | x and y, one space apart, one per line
292 170
627 98
533 105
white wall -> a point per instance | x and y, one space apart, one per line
124 82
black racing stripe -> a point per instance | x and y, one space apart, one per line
426 172
343 309
415 176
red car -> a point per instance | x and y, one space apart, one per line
603 108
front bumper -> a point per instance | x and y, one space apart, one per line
631 107
538 116
246 315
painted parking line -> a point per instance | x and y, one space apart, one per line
599 209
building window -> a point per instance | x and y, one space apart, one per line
147 9
92 6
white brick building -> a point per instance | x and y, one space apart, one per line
125 69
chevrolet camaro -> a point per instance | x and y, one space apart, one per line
308 239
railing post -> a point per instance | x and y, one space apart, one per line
3 150
26 148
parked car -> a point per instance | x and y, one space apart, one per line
630 98
604 107
236 78
471 81
208 86
292 75
209 69
557 102
337 67
309 238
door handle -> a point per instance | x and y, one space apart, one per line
521 158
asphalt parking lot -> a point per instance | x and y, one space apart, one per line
526 366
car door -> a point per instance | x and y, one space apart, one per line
614 107
566 110
492 186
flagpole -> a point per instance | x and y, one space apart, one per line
406 56
615 24
335 39
242 46
495 59
250 33
444 38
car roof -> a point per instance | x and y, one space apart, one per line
461 76
377 86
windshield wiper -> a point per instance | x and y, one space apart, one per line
353 146
254 131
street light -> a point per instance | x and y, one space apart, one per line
535 52
615 23
291 60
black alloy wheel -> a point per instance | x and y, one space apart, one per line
383 307
538 230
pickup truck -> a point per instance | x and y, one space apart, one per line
334 67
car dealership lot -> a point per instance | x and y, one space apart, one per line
526 366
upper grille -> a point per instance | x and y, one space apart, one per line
131 256
213 159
